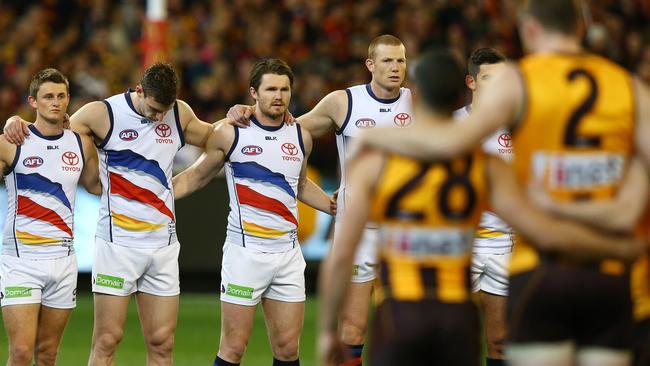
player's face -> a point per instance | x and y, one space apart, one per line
51 101
486 74
388 67
153 110
273 95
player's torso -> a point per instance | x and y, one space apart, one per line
493 235
262 171
41 191
135 161
427 215
367 111
576 134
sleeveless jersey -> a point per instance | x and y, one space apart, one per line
494 236
262 172
135 167
576 134
41 188
427 215
366 111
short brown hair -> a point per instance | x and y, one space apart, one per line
160 82
557 15
269 66
483 56
47 75
387 39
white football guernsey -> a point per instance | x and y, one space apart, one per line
135 167
493 235
366 111
41 187
262 171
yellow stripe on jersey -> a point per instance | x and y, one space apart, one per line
129 223
261 231
484 233
31 239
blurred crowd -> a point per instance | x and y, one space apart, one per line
98 43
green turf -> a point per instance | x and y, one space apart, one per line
196 336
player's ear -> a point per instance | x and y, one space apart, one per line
253 92
32 101
470 82
370 64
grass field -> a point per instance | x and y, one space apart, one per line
196 336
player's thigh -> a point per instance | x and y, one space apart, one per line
357 302
21 323
161 277
283 319
541 354
51 324
60 292
158 315
117 269
236 323
494 310
109 313
246 274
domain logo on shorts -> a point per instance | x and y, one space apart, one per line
109 281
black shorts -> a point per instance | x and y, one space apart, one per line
558 302
642 343
425 332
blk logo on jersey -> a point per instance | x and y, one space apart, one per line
291 150
52 147
251 150
70 159
402 120
164 131
271 138
128 135
384 110
33 161
365 123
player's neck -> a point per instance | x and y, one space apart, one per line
558 43
47 128
266 120
383 93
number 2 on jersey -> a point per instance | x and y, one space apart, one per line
456 178
571 137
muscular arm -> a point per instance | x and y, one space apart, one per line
308 191
500 103
196 132
90 174
7 154
208 164
620 214
336 270
328 114
91 120
548 233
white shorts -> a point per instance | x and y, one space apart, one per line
50 282
247 275
365 260
121 271
490 273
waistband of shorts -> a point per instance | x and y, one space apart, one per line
140 243
36 256
260 244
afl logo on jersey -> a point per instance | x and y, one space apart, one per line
251 150
365 123
128 135
505 140
402 119
70 158
33 162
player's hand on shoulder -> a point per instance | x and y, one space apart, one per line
239 115
289 118
16 130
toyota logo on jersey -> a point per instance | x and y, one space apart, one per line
402 119
163 130
505 140
70 158
289 148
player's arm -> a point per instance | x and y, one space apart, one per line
548 233
620 214
336 270
15 130
208 164
195 131
500 104
328 114
90 174
308 191
7 154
